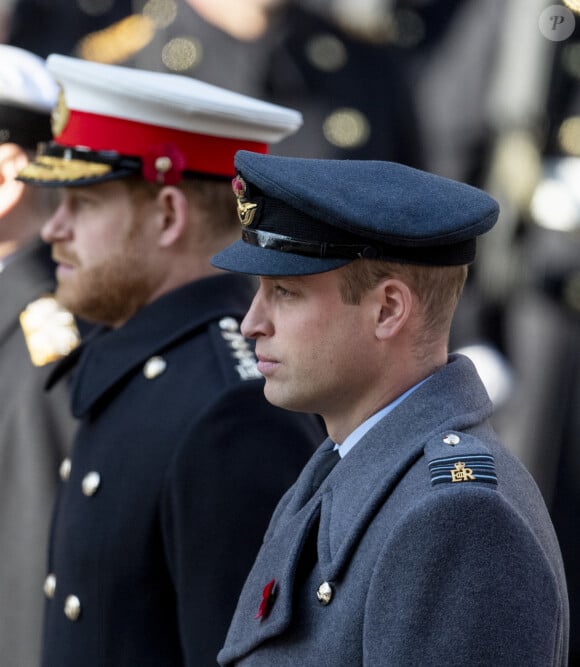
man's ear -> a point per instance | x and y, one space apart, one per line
172 215
394 306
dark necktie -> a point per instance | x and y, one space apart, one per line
327 460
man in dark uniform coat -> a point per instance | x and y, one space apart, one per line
428 543
35 429
179 460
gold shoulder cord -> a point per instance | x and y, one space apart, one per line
49 329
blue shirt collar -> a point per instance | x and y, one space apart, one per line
353 438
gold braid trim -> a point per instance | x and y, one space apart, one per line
49 168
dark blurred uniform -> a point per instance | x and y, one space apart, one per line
36 429
450 59
351 87
352 82
63 23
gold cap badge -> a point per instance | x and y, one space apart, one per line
60 115
246 210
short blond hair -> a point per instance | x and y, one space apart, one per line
213 200
438 289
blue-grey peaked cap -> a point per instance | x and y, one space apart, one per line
303 216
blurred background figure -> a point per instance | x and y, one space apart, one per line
348 79
48 26
35 428
6 11
529 275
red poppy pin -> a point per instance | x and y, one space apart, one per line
163 164
268 595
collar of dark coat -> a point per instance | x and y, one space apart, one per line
27 277
453 399
105 359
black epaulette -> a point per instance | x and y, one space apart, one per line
239 354
457 458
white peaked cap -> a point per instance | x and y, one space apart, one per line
25 80
111 122
170 100
28 94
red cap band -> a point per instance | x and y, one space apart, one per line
204 153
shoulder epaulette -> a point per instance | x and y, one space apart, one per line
50 331
456 458
242 355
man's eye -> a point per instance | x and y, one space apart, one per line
80 201
282 291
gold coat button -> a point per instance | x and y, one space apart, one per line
72 607
49 587
324 593
154 367
64 470
91 483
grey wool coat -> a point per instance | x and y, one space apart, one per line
391 562
36 432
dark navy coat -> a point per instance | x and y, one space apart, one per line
177 467
36 431
427 545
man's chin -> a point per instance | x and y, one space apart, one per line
63 296
283 399
75 305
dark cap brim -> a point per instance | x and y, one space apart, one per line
59 172
241 257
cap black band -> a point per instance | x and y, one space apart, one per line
283 243
449 255
115 160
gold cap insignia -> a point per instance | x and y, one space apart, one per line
49 329
60 115
246 209
63 169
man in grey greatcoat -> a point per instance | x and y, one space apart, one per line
427 543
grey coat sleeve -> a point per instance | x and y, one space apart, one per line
462 580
